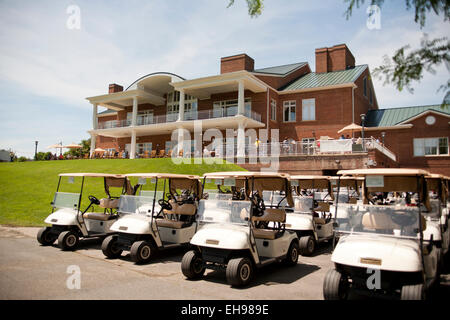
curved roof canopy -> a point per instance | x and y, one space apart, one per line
157 82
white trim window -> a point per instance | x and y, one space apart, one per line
308 109
141 148
273 110
229 108
430 147
289 114
365 87
173 106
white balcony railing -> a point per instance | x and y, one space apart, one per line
172 117
299 148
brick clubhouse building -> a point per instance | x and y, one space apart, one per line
309 110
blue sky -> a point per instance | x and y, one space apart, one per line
47 70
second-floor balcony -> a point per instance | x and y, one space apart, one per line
150 119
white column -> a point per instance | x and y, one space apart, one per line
135 111
241 98
241 140
93 141
95 116
180 141
133 145
181 114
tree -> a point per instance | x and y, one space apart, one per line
255 7
80 152
407 66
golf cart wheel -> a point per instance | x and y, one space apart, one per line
292 254
335 286
239 271
68 240
307 245
142 251
192 265
44 236
110 248
413 292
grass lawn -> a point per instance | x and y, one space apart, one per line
27 188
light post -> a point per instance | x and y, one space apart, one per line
35 149
363 118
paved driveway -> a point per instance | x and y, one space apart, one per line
31 271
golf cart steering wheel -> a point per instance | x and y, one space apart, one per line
165 204
404 219
260 207
94 200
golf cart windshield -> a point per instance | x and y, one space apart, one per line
66 200
137 204
215 195
274 199
303 204
396 221
224 211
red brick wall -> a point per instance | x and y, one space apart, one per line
401 143
236 63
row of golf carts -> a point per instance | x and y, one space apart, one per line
393 221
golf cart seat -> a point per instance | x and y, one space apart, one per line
109 203
319 221
272 215
169 223
377 221
265 234
188 209
323 206
99 216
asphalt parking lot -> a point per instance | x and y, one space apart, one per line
31 271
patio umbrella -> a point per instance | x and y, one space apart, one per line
73 146
351 127
99 150
56 146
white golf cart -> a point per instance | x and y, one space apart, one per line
382 249
155 220
311 218
69 222
236 235
437 218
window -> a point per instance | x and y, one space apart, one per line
371 95
308 145
141 148
273 110
143 117
289 111
173 106
430 147
229 108
365 87
309 109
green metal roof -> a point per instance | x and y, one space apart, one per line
107 111
281 70
393 116
315 80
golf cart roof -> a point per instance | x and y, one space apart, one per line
163 176
347 181
101 175
303 177
435 176
245 175
383 172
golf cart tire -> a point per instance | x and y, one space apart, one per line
307 245
239 272
44 237
292 254
189 267
108 248
142 251
335 286
413 292
68 240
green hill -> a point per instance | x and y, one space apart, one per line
27 188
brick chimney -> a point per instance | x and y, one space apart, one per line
113 87
335 58
237 63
